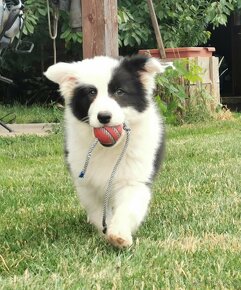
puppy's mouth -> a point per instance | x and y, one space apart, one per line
108 135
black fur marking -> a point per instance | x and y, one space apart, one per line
126 87
66 152
82 98
159 155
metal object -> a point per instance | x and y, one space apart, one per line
3 123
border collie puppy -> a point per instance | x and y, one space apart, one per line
105 93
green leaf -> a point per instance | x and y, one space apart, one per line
42 12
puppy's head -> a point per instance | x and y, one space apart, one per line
106 91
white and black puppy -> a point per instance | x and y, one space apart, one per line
107 92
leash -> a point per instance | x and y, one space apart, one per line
92 147
112 176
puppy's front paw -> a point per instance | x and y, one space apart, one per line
119 241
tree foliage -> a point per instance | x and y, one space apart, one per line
182 22
35 11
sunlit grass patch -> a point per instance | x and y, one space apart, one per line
190 240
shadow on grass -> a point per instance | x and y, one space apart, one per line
49 235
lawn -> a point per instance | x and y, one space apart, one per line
190 240
30 114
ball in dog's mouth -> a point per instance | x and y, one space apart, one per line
108 135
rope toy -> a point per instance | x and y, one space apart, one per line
114 170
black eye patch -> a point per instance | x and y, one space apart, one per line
127 89
82 98
119 92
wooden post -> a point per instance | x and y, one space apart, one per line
156 29
100 28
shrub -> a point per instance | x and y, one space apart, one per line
175 101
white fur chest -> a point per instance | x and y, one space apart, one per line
136 164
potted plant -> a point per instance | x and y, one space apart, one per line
180 52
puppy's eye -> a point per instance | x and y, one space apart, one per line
92 92
119 93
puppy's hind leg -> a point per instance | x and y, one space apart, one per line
130 207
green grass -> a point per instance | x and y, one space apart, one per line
32 114
190 240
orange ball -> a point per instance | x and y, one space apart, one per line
108 135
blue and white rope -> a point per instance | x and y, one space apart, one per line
112 176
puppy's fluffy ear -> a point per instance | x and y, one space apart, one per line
64 74
144 63
155 66
60 72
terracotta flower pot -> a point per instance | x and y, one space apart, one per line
180 52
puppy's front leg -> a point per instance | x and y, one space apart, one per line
130 208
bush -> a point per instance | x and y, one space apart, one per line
173 96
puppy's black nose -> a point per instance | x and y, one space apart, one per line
104 117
